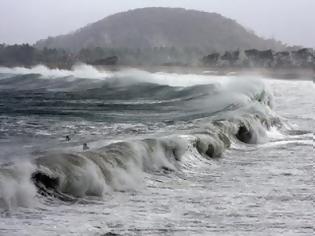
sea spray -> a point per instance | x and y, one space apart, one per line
183 116
16 188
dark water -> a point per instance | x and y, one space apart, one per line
169 154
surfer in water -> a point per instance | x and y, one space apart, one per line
85 147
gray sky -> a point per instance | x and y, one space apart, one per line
292 21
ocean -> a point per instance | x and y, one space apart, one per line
90 152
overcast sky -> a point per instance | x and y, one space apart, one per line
292 21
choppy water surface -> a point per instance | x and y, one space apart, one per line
169 154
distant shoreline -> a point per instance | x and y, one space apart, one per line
290 64
275 73
283 73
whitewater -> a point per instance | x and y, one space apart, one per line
168 154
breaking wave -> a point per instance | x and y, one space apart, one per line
217 112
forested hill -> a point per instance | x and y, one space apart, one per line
162 27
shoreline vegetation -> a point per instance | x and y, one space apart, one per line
290 64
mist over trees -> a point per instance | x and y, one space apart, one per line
253 58
154 28
27 56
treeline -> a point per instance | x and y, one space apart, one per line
301 58
145 56
27 55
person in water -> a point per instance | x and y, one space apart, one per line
68 138
85 147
